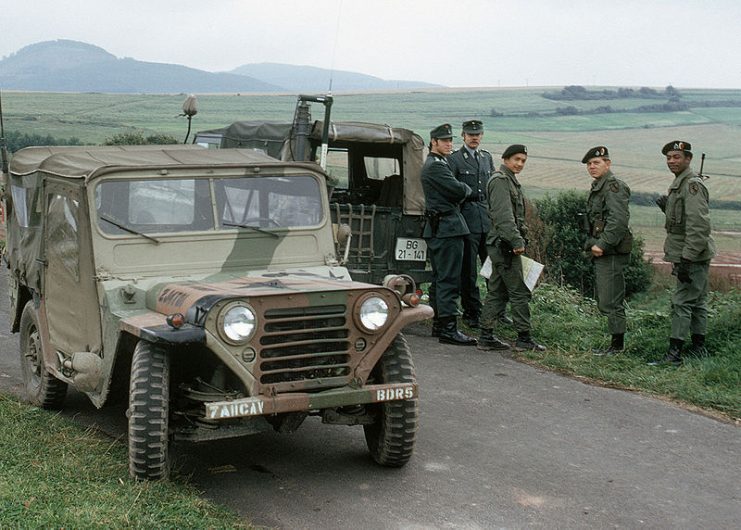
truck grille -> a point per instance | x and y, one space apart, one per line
305 343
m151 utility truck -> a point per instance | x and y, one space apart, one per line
203 286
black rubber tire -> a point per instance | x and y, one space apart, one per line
391 437
42 388
148 413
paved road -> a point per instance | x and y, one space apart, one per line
501 445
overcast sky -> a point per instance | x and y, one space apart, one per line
464 43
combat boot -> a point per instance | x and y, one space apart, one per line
673 357
617 344
489 341
449 333
698 348
526 342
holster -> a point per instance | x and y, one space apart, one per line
433 217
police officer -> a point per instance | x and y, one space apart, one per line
689 247
473 166
609 242
445 231
506 242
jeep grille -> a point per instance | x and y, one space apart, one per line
305 343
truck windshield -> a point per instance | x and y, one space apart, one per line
155 206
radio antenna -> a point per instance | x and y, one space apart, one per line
334 50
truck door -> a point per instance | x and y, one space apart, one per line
69 290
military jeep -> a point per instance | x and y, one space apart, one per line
376 182
203 287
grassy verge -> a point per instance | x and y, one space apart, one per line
54 474
712 382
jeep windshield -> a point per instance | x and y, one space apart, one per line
170 205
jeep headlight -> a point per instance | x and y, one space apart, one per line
238 323
374 312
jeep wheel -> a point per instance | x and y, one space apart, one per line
391 437
42 388
149 398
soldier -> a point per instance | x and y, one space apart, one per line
506 242
689 247
445 231
608 242
473 166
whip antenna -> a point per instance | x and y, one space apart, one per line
334 50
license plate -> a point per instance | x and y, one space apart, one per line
410 249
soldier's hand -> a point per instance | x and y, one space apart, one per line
518 251
661 202
597 251
683 272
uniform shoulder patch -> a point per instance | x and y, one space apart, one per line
694 187
614 187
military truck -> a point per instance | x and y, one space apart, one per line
376 187
203 287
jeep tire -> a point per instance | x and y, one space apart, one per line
391 437
148 413
42 388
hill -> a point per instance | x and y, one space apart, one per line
312 79
72 66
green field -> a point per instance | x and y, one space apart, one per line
556 143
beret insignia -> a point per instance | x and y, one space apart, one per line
614 187
694 188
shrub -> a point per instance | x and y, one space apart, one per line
137 138
561 240
16 140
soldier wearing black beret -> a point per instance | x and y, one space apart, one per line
473 166
506 243
608 242
689 247
445 231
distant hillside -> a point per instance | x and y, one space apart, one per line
312 79
71 66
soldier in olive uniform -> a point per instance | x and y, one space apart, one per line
608 242
445 231
474 167
506 243
689 247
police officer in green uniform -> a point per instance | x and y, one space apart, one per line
689 247
506 242
608 242
473 166
445 231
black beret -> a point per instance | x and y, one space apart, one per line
513 150
677 145
596 152
442 132
473 127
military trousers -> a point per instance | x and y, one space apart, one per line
689 302
446 254
474 245
609 290
506 284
